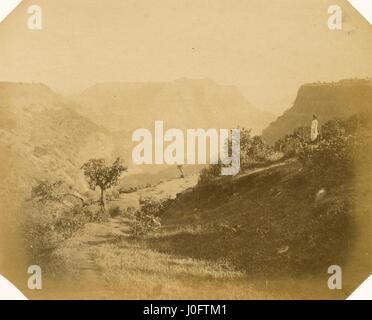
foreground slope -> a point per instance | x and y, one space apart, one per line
272 223
243 238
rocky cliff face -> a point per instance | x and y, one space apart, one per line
327 100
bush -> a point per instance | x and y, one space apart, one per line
129 212
337 151
293 145
115 211
334 155
144 223
40 235
209 173
46 191
254 152
151 206
46 225
147 218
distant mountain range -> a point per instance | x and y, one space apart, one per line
47 136
327 100
183 103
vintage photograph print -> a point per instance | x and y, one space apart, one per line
185 149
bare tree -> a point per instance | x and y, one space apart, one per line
57 191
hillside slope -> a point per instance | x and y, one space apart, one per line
183 103
327 100
267 223
45 137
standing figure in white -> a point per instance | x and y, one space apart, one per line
314 128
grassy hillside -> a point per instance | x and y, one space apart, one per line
45 136
41 138
269 222
293 218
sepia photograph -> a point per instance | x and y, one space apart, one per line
185 150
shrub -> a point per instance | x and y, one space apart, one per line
209 173
144 223
151 206
129 212
46 191
254 152
147 218
336 152
39 231
46 225
115 211
293 145
334 155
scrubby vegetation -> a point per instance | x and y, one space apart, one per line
292 218
296 217
333 156
115 211
254 153
335 151
293 144
49 222
55 210
209 173
340 99
148 217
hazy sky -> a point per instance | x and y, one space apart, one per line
266 48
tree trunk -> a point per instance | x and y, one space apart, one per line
103 200
74 196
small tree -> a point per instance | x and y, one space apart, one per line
100 175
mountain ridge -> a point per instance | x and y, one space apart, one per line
45 136
327 100
182 103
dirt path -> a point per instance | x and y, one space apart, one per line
82 248
103 261
163 190
106 264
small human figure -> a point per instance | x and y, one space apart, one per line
180 168
314 128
